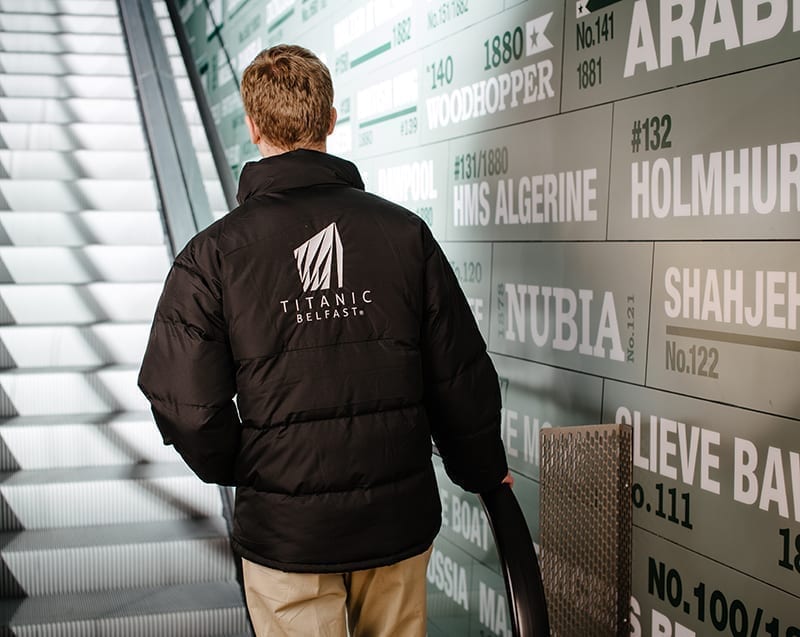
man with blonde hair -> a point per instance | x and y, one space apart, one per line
336 319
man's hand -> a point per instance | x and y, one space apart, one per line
509 480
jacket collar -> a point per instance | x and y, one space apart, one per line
296 169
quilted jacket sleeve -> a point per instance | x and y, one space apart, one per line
462 391
188 373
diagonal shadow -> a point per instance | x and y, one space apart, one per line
6 318
7 460
4 238
3 201
7 407
5 275
74 140
6 359
77 169
107 396
9 585
8 519
83 229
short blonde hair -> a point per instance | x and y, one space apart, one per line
288 93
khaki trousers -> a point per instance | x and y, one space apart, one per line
389 601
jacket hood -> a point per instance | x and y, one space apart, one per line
296 169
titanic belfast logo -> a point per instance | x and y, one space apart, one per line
320 260
320 263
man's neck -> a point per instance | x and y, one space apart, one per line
268 150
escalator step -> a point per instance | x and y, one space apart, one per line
77 304
81 440
121 494
70 390
75 136
62 43
109 228
78 164
42 23
82 264
196 610
69 110
98 558
79 194
53 7
64 63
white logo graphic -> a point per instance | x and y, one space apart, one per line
581 10
536 40
320 259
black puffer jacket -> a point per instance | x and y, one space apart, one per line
335 317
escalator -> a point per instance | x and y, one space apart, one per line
104 530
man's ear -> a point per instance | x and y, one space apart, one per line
334 115
255 134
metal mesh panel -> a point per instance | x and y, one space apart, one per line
586 529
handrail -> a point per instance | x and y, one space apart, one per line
521 571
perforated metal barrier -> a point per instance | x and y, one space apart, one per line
586 529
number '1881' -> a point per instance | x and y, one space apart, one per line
590 73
